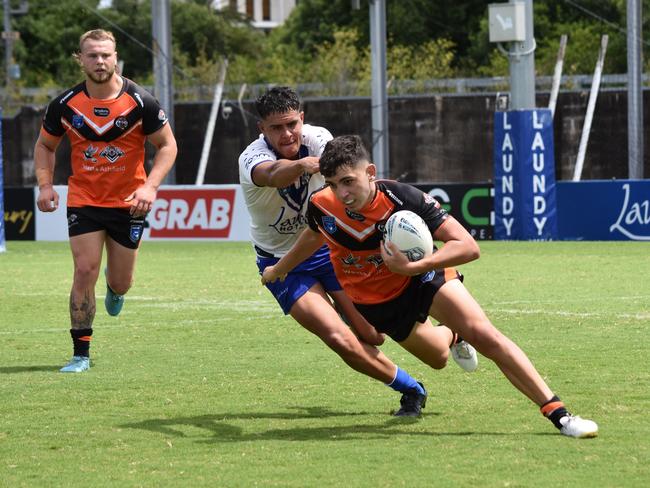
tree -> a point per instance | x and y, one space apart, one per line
200 34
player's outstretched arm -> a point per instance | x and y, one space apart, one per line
307 244
283 172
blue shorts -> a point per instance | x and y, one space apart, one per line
301 278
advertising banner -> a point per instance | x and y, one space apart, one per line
180 212
213 212
19 218
471 204
2 221
524 176
611 210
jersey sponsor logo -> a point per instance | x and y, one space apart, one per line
192 214
350 260
101 111
329 224
67 95
77 121
257 158
428 199
354 215
394 197
121 123
89 154
290 225
112 153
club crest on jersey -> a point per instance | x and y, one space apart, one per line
89 153
77 121
135 232
296 195
375 259
101 111
329 224
354 215
121 123
112 153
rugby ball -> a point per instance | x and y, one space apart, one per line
410 234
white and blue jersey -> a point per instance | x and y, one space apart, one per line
278 216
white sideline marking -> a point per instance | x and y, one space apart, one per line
563 313
177 325
569 300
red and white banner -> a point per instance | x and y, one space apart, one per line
215 212
180 212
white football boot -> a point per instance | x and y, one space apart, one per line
465 356
574 426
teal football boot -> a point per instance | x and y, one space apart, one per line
76 365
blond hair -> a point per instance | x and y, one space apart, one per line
95 35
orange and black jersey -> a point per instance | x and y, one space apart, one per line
354 238
107 139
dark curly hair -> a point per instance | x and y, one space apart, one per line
342 151
277 100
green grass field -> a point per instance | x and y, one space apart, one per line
201 381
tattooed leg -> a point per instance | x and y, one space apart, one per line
82 310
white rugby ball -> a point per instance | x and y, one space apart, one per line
410 234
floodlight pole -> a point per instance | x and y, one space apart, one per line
162 64
379 96
522 65
634 91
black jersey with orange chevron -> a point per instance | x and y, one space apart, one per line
354 238
107 139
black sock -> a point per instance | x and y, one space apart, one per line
81 341
554 410
455 339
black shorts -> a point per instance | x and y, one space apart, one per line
398 316
118 223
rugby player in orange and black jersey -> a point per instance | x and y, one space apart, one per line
354 238
107 139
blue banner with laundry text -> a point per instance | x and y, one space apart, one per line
524 176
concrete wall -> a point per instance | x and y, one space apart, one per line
443 139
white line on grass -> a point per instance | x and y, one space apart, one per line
176 325
564 313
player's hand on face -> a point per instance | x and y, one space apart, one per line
311 164
48 199
269 275
141 200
